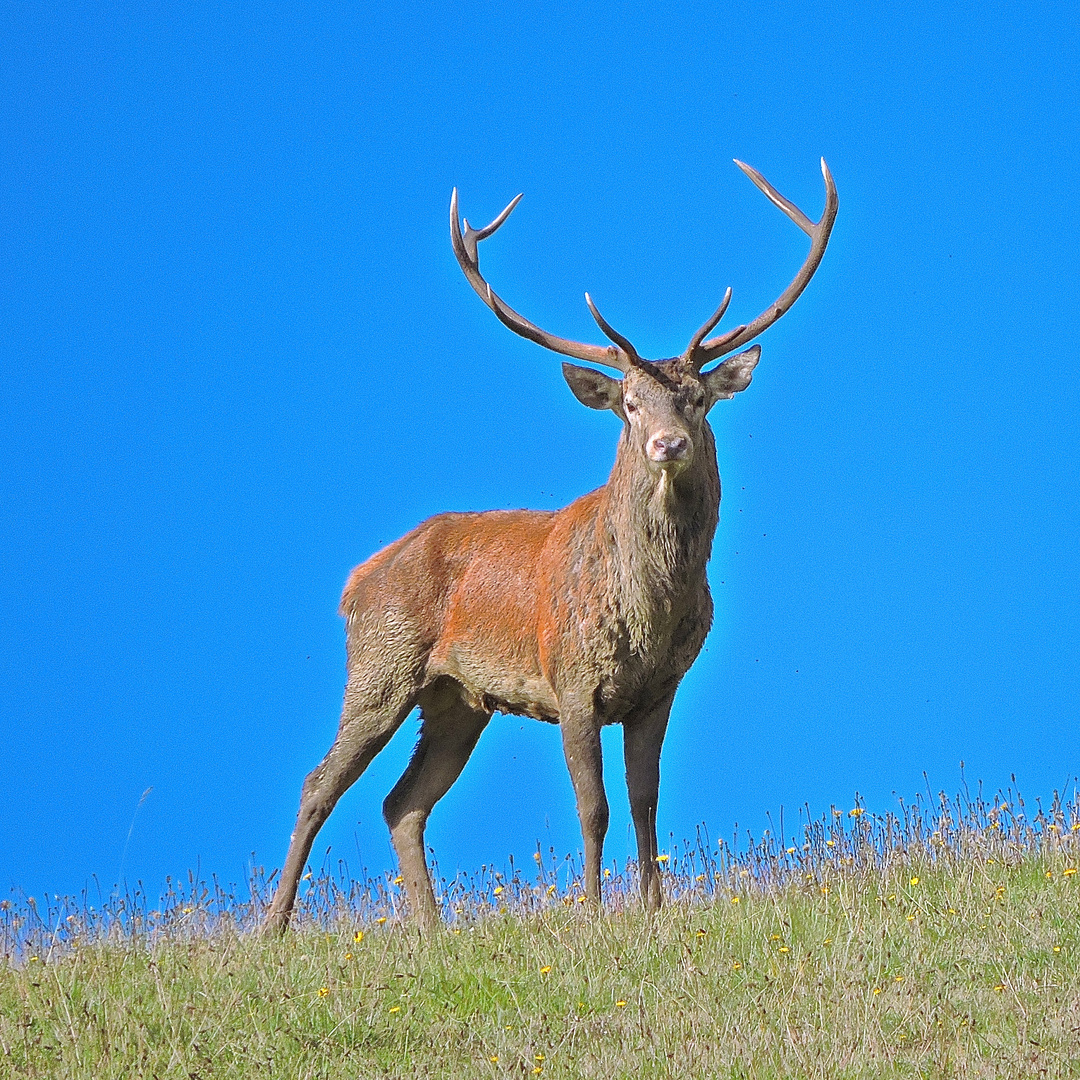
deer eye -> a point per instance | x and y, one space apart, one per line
629 406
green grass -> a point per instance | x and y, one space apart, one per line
942 944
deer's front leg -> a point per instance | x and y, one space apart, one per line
643 736
581 745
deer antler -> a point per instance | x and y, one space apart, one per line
621 358
625 348
700 352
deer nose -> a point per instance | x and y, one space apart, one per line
668 447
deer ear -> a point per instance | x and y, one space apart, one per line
732 375
593 388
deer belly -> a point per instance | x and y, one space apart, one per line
496 680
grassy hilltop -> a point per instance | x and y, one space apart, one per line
943 943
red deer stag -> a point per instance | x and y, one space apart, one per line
585 616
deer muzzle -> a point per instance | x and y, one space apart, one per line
668 448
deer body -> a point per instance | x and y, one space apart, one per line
583 617
518 605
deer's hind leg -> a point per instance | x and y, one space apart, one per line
382 690
448 735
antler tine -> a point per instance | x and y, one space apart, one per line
623 343
473 236
819 235
774 197
465 248
709 326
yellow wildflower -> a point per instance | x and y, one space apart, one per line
1069 871
323 991
381 919
358 936
914 882
546 970
398 880
498 890
348 956
620 1004
395 1008
734 899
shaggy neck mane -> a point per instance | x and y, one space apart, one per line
662 530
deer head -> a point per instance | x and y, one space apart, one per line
663 403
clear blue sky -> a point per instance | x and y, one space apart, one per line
237 357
